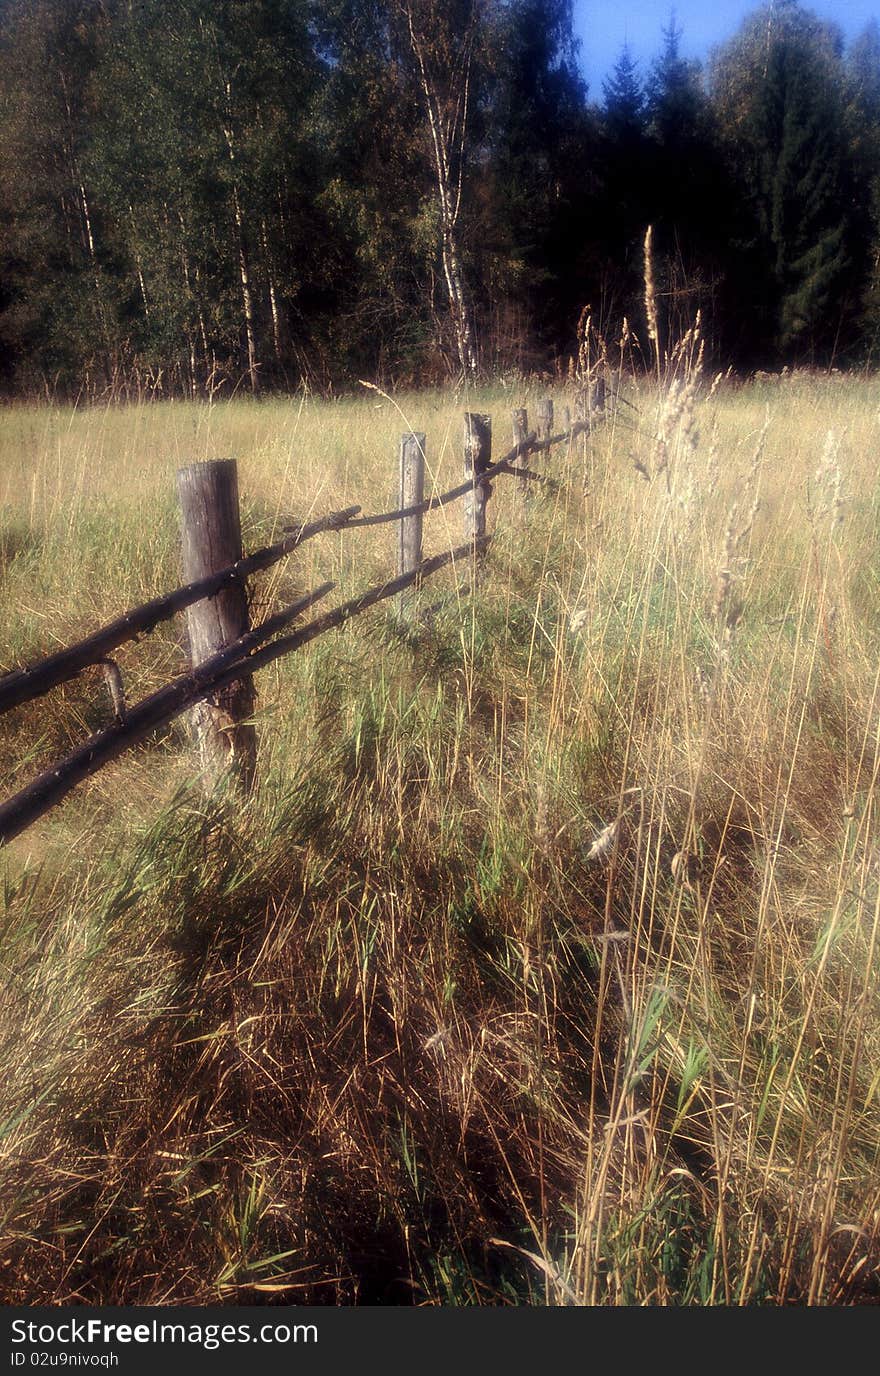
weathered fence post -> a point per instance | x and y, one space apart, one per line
544 422
520 418
566 425
409 529
211 539
477 458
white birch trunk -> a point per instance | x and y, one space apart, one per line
446 133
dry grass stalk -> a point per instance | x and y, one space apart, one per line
651 295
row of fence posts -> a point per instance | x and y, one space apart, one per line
477 458
211 540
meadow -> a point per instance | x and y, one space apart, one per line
542 967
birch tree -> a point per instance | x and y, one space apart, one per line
442 38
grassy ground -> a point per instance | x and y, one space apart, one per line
543 967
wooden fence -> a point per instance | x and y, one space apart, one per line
225 651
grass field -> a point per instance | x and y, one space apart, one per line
542 968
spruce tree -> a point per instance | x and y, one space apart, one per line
625 204
692 201
863 113
625 103
779 92
676 106
541 145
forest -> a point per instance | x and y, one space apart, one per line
204 196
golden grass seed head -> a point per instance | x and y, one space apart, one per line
650 288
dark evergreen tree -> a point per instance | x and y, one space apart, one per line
779 91
692 202
541 152
625 103
624 208
675 102
863 112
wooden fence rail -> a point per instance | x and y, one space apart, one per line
21 685
213 674
215 665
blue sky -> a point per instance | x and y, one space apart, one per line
604 25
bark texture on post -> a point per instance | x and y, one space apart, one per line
211 540
409 530
544 421
477 458
520 418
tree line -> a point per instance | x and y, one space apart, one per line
200 196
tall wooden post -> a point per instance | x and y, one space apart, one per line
544 423
520 418
477 458
409 529
566 425
211 540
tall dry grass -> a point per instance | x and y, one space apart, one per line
543 967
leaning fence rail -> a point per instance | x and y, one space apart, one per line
163 706
22 685
217 667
